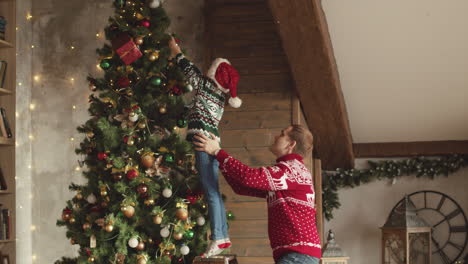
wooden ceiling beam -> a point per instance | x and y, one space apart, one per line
306 42
409 149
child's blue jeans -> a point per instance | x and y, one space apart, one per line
297 258
207 167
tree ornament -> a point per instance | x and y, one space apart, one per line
142 189
139 39
133 116
182 214
120 3
72 241
103 191
66 217
118 176
128 211
184 250
201 220
164 232
90 134
105 64
92 86
109 228
145 23
91 199
189 88
157 219
182 123
123 82
149 202
141 259
148 159
102 156
86 226
169 157
230 216
154 3
163 109
156 81
167 193
178 236
140 246
72 220
132 174
141 125
133 242
91 259
189 234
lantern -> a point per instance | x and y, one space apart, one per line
406 237
332 253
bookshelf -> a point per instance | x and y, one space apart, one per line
7 145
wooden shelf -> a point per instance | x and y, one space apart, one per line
5 44
6 141
5 192
7 241
5 92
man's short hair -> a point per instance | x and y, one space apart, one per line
304 139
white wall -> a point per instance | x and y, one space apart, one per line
364 210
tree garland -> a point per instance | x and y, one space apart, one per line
387 169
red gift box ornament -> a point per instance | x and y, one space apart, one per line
126 48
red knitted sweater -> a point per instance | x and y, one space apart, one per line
289 190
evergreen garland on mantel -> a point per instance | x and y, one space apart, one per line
386 169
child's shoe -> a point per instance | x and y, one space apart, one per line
216 247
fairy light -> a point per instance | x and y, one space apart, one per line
74 107
33 228
16 114
72 139
34 257
30 166
31 137
32 106
29 16
37 78
72 79
72 47
20 84
32 46
77 168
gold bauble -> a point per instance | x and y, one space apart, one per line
142 261
139 16
141 125
72 220
150 240
141 246
148 160
79 196
90 134
103 192
118 176
157 219
139 40
91 259
182 214
130 142
178 236
128 211
109 228
162 110
152 57
86 226
149 202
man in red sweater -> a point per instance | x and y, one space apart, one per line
288 188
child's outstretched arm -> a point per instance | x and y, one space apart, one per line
193 74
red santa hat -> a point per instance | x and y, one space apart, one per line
226 79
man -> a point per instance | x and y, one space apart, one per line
289 190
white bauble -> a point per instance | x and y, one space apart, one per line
167 192
201 220
133 117
154 3
189 88
165 232
91 199
133 242
184 250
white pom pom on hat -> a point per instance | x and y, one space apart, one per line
226 79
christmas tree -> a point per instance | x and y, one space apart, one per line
142 201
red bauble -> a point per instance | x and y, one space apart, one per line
123 82
176 90
142 188
192 199
67 211
132 174
145 23
102 156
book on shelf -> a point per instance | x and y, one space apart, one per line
4 124
5 224
3 184
3 71
3 24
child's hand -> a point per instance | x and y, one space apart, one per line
175 49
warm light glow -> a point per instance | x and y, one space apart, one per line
29 167
31 137
72 139
34 257
72 79
32 46
29 16
16 143
72 47
74 107
17 28
20 83
32 106
97 35
77 168
37 77
33 228
16 114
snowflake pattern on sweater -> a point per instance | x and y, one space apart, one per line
288 188
207 107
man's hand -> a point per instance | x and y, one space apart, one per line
175 49
209 145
